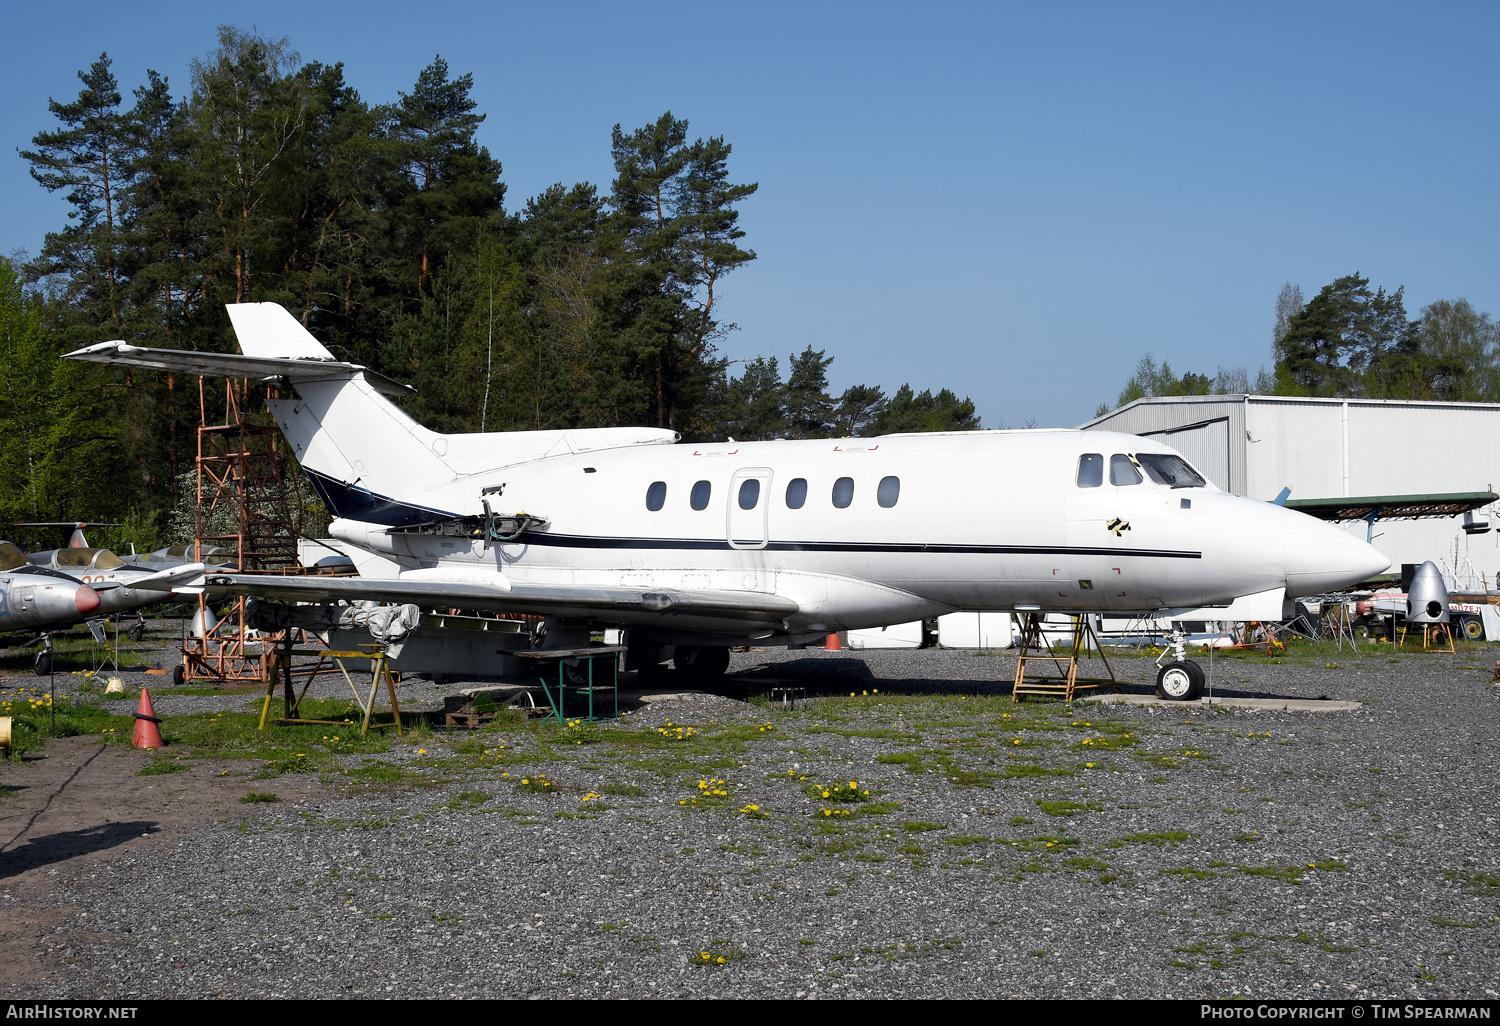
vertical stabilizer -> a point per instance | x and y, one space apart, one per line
267 329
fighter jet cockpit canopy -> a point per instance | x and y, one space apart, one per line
10 556
96 559
1127 469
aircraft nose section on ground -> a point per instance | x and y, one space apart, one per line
1321 557
87 599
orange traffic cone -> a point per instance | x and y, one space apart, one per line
147 734
832 644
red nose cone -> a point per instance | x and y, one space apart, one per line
87 599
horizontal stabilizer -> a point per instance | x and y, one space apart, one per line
231 365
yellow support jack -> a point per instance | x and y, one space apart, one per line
1067 683
281 659
1431 632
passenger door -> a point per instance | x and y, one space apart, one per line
749 500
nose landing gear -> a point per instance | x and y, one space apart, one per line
1180 680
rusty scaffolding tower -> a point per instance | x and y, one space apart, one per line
244 504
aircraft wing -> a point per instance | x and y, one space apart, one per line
170 578
622 605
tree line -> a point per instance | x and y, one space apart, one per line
1349 342
384 229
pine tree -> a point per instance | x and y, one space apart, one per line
449 185
809 409
87 157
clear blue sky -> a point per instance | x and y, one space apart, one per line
1012 201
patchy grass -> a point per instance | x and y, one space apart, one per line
917 826
1163 838
259 798
1484 885
1067 807
31 712
161 764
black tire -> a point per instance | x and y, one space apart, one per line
701 664
42 663
179 676
1179 681
137 633
652 675
1472 629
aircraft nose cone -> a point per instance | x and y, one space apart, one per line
87 599
1321 557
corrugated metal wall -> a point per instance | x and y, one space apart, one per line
1326 448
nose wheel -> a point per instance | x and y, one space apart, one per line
1180 681
42 663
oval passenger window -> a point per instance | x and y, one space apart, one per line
843 492
656 496
749 493
701 492
888 492
796 492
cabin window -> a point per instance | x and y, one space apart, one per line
1122 471
701 491
888 492
749 493
1169 470
796 492
1090 470
843 492
656 496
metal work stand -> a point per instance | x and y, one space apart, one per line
280 658
571 658
1067 683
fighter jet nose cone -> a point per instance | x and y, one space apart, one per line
87 599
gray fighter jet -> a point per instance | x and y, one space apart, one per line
39 600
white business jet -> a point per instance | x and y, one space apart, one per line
695 548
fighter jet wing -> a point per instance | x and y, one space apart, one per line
625 605
162 580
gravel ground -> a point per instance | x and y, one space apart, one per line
1037 850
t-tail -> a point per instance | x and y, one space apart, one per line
367 459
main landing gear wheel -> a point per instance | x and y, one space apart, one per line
42 663
1180 681
701 664
1472 629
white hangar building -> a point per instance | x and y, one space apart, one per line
1256 445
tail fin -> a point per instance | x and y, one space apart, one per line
367 458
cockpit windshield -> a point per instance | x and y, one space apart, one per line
99 559
10 556
1169 470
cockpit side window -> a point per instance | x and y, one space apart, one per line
1090 470
1122 471
1169 470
